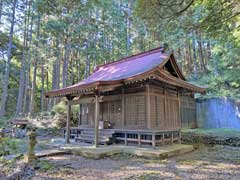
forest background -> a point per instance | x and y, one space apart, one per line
50 44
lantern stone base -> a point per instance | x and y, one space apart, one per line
30 158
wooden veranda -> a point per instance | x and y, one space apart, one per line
128 136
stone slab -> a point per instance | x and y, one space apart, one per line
52 152
161 152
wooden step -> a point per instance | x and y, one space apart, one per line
87 140
87 136
93 136
92 139
99 132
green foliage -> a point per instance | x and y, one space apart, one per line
10 146
60 113
3 121
89 33
210 21
60 108
45 165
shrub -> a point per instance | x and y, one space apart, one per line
60 108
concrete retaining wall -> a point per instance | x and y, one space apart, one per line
218 113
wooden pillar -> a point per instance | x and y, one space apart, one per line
153 140
179 110
163 138
123 109
96 119
179 136
148 107
125 139
165 106
180 119
68 120
80 115
139 139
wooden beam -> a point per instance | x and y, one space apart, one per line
96 119
92 99
109 87
82 101
148 107
111 98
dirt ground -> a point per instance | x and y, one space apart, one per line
218 162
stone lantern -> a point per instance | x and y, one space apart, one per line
2 134
32 138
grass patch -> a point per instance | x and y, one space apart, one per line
221 132
67 171
13 145
45 166
145 176
187 161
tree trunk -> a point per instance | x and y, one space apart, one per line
190 57
127 21
78 67
72 67
31 101
185 60
26 91
56 78
33 87
200 50
42 87
194 55
7 69
1 8
179 54
208 52
65 65
87 64
22 73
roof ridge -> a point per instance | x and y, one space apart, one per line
128 58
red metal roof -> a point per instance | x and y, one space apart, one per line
120 70
126 68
